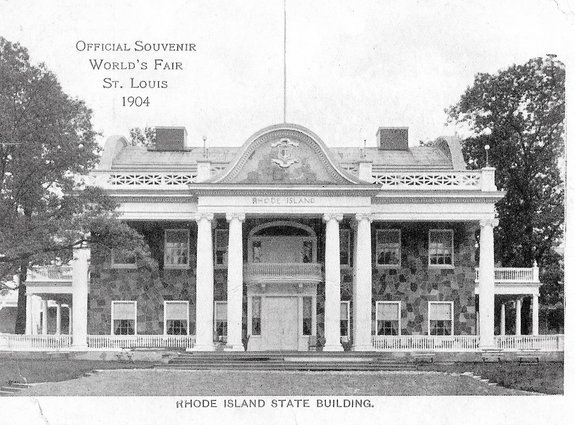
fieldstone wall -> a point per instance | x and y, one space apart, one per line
414 283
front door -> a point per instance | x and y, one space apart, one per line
280 323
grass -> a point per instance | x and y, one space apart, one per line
35 370
207 383
545 377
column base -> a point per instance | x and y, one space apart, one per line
361 348
79 347
234 347
487 346
333 347
202 347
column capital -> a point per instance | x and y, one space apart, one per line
332 216
204 216
235 216
363 216
492 222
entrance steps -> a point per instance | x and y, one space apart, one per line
283 361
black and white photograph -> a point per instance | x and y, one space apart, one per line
285 211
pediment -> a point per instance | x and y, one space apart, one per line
285 154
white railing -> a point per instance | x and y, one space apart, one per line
426 343
282 271
140 341
438 180
514 274
123 180
49 273
530 342
34 342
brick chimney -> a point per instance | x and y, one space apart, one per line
171 138
392 138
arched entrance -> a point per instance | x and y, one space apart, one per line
282 275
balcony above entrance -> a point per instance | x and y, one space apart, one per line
282 272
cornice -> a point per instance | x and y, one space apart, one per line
327 191
439 198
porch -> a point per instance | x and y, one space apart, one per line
428 343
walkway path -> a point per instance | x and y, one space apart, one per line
243 383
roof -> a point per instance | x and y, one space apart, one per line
443 154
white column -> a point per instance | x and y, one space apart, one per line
362 285
80 298
204 285
58 318
29 315
502 322
535 318
235 281
518 305
332 283
44 317
486 284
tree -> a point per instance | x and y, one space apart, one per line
519 112
46 145
145 137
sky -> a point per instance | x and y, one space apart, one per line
351 66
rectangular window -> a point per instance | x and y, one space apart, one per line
307 315
257 251
441 247
123 260
221 320
221 248
440 318
388 247
388 315
176 317
176 248
124 317
344 319
345 247
256 316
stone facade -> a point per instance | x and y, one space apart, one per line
414 283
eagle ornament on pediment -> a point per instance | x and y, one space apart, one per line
285 148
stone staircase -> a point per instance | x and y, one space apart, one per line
286 361
12 388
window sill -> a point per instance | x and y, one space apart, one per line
388 266
440 266
124 266
176 267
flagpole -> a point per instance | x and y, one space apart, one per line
285 68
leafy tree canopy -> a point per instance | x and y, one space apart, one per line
47 146
143 137
519 112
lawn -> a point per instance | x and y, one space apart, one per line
206 383
545 377
36 370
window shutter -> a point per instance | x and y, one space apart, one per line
440 311
343 311
124 310
221 311
388 311
256 307
177 311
